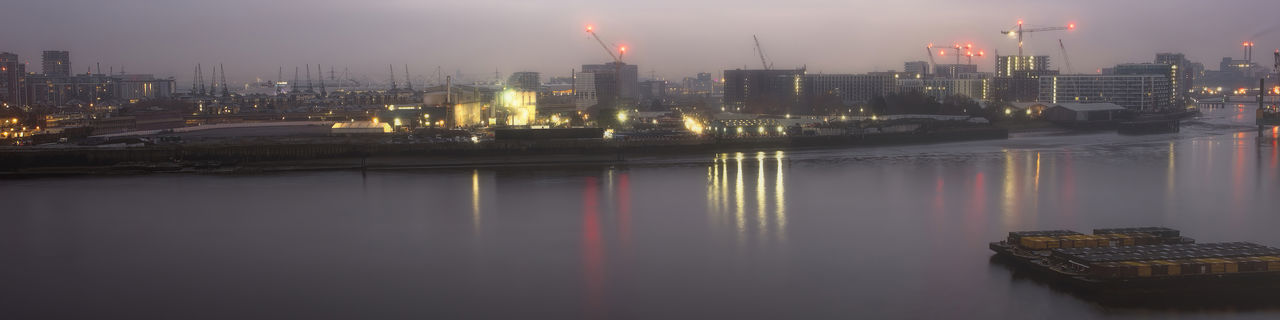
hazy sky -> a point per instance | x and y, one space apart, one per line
672 38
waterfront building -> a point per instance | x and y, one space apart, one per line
56 63
765 91
1017 78
134 87
80 90
1169 71
939 88
1143 93
1184 72
852 89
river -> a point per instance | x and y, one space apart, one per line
879 232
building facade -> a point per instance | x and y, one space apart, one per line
1022 66
917 67
56 63
1017 78
1184 72
134 87
953 70
13 77
764 91
852 89
1169 71
1143 93
626 75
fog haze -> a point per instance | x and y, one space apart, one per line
669 39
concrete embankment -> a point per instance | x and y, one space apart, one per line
258 157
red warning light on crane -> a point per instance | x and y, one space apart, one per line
1071 26
590 28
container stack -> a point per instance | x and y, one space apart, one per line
1171 259
1101 238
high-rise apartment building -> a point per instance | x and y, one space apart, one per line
56 63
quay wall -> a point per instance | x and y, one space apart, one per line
358 154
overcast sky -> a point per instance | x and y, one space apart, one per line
671 38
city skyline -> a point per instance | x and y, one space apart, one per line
479 38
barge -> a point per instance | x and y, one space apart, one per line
1141 260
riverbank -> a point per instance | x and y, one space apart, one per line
355 154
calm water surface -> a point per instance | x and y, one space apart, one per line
891 232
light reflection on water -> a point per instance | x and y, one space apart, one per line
769 186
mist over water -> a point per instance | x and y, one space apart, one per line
885 232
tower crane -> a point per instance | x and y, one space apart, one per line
763 62
616 57
969 54
1017 32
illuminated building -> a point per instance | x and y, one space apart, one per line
852 89
1169 71
80 89
1143 93
1186 74
1016 78
143 86
953 70
1022 66
940 88
702 84
518 108
56 63
13 75
917 67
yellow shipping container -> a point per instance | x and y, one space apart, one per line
1052 244
1173 267
1029 242
1273 265
1144 270
1231 266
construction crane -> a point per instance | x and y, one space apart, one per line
223 72
1017 32
763 62
616 57
1065 58
969 54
